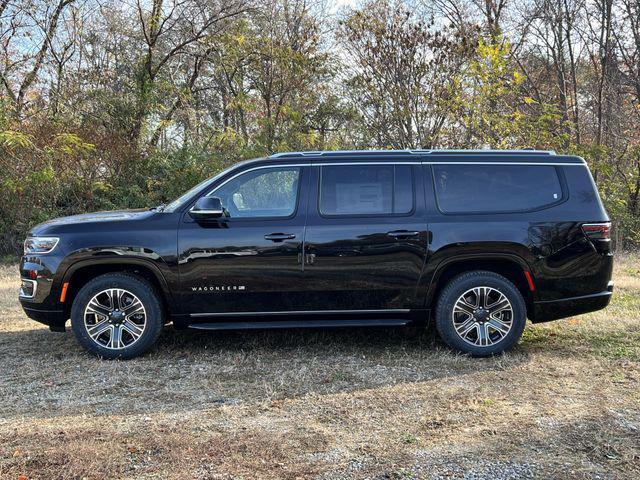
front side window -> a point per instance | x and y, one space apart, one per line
269 192
366 190
493 188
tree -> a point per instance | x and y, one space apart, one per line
402 73
171 31
27 33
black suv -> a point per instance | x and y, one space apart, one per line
476 240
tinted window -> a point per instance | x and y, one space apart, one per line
261 193
366 190
495 188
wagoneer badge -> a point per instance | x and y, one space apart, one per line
217 288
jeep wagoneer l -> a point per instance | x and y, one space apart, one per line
477 241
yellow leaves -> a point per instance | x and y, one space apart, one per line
518 78
530 101
226 138
13 139
71 144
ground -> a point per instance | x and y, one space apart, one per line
326 404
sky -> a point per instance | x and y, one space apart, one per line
335 5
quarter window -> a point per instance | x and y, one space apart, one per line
261 193
366 190
495 188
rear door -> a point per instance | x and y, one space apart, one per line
366 236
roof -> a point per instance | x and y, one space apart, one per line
335 153
427 156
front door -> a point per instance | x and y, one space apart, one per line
250 259
366 241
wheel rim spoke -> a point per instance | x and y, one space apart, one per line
463 306
115 318
134 329
499 326
483 336
98 329
482 316
499 306
134 307
98 309
482 297
116 337
466 327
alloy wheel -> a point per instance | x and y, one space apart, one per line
115 318
482 316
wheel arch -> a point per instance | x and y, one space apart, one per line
510 266
83 271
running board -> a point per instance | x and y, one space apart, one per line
385 322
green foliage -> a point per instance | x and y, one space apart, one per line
493 107
12 140
150 103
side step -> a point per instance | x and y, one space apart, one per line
385 322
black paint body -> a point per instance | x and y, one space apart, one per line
217 270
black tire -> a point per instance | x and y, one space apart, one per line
465 283
133 284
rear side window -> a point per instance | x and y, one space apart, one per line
495 188
366 190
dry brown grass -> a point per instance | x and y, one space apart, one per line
326 404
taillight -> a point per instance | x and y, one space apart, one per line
597 231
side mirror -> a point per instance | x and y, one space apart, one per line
207 207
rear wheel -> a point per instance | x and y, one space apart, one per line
480 313
117 315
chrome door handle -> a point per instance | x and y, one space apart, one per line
403 234
279 237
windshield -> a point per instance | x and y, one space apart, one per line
182 199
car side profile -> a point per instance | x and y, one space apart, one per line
475 241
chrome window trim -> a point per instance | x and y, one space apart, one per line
35 288
322 164
549 164
260 167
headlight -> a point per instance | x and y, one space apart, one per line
40 244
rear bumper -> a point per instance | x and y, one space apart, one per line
54 319
545 311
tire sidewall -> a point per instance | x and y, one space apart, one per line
140 288
460 285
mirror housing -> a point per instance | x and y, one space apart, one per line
207 207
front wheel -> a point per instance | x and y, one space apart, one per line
480 313
117 315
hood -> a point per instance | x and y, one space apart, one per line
88 218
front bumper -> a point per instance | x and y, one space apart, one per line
41 303
54 319
545 311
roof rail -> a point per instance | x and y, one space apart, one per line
523 151
319 153
411 152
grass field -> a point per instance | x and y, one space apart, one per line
325 404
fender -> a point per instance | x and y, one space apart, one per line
118 255
458 258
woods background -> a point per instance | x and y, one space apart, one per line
107 104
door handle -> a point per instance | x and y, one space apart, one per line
403 234
279 237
